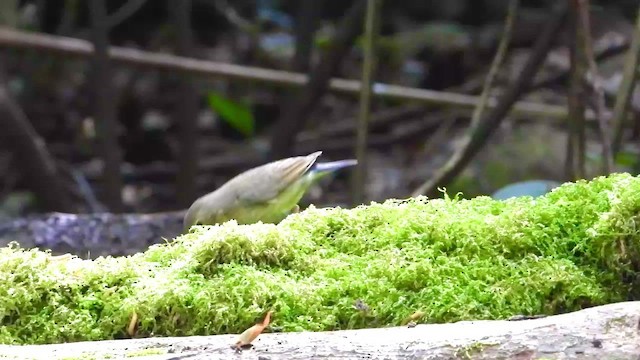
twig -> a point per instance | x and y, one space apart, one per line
86 191
563 75
294 116
479 136
575 161
368 68
629 78
178 64
596 86
120 15
233 17
186 108
104 112
124 12
497 60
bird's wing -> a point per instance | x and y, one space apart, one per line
265 182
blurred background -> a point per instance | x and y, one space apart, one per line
148 131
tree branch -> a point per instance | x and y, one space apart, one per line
210 69
497 60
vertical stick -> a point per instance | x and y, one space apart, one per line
597 98
186 108
575 164
103 109
368 67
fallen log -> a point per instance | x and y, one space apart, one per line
92 235
603 332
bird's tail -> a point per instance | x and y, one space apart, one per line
322 169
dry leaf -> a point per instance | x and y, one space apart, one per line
252 333
133 325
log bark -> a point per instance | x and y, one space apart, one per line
92 235
604 332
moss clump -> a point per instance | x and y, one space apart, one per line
452 259
146 352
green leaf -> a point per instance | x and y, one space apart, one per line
626 159
236 114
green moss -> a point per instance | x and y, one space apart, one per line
83 356
146 352
452 258
615 322
467 352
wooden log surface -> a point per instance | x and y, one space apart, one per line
603 332
92 235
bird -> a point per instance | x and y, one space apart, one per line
267 193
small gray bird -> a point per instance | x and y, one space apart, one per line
266 193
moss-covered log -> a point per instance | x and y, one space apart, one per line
602 332
331 269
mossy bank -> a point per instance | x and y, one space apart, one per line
452 259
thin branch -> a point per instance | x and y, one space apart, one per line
186 108
294 116
596 85
124 12
575 161
368 68
82 189
497 60
120 15
210 69
104 112
561 76
232 16
479 135
629 78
